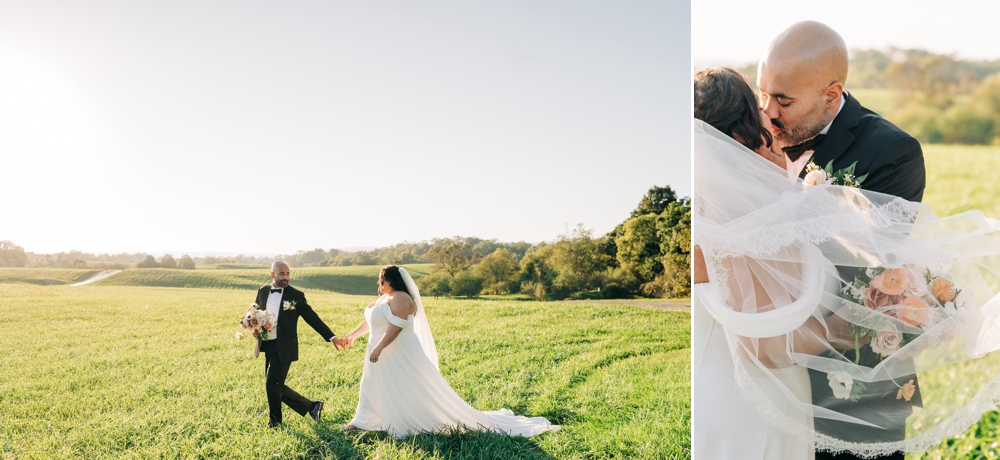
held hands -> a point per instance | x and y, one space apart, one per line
342 343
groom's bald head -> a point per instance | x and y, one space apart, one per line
810 49
801 79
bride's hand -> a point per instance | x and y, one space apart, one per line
375 354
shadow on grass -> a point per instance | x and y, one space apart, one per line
456 445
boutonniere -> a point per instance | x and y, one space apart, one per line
845 177
288 305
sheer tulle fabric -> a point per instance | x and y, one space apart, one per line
779 257
404 393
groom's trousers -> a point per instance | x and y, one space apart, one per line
277 392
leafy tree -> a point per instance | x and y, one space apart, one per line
79 263
468 283
362 258
149 262
639 248
536 274
12 255
435 284
168 261
655 201
186 263
674 228
499 270
451 257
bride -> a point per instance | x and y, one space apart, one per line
796 277
402 390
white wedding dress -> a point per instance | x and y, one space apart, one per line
404 393
725 425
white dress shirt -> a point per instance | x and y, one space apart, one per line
274 308
795 167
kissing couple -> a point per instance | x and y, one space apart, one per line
402 390
831 310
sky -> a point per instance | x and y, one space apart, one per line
967 29
264 127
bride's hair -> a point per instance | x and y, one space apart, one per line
391 274
724 99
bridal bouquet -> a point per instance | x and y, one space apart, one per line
258 322
919 297
895 306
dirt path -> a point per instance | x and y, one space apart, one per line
672 305
97 276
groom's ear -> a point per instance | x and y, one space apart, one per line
833 94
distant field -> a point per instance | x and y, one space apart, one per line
44 276
963 177
145 372
357 280
878 100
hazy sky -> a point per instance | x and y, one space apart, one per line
269 127
736 32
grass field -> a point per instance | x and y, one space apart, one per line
359 280
148 372
962 178
44 276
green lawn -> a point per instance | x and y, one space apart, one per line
962 178
44 276
356 280
148 372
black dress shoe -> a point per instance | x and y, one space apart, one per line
272 424
317 410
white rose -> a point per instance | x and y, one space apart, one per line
814 178
887 341
916 283
841 383
964 299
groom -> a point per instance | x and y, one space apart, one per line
801 80
282 345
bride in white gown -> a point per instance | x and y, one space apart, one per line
402 390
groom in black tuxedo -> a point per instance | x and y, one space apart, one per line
282 346
801 80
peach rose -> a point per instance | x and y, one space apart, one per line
887 341
254 322
268 325
943 290
892 281
915 313
875 298
907 391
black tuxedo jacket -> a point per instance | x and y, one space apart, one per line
891 158
288 320
894 164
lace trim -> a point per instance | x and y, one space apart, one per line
770 239
987 399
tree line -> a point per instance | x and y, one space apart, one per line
648 254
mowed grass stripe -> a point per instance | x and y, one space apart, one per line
139 372
355 280
45 276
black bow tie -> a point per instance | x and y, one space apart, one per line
276 290
796 151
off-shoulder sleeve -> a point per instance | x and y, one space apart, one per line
393 319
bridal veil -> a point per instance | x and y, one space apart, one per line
892 310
